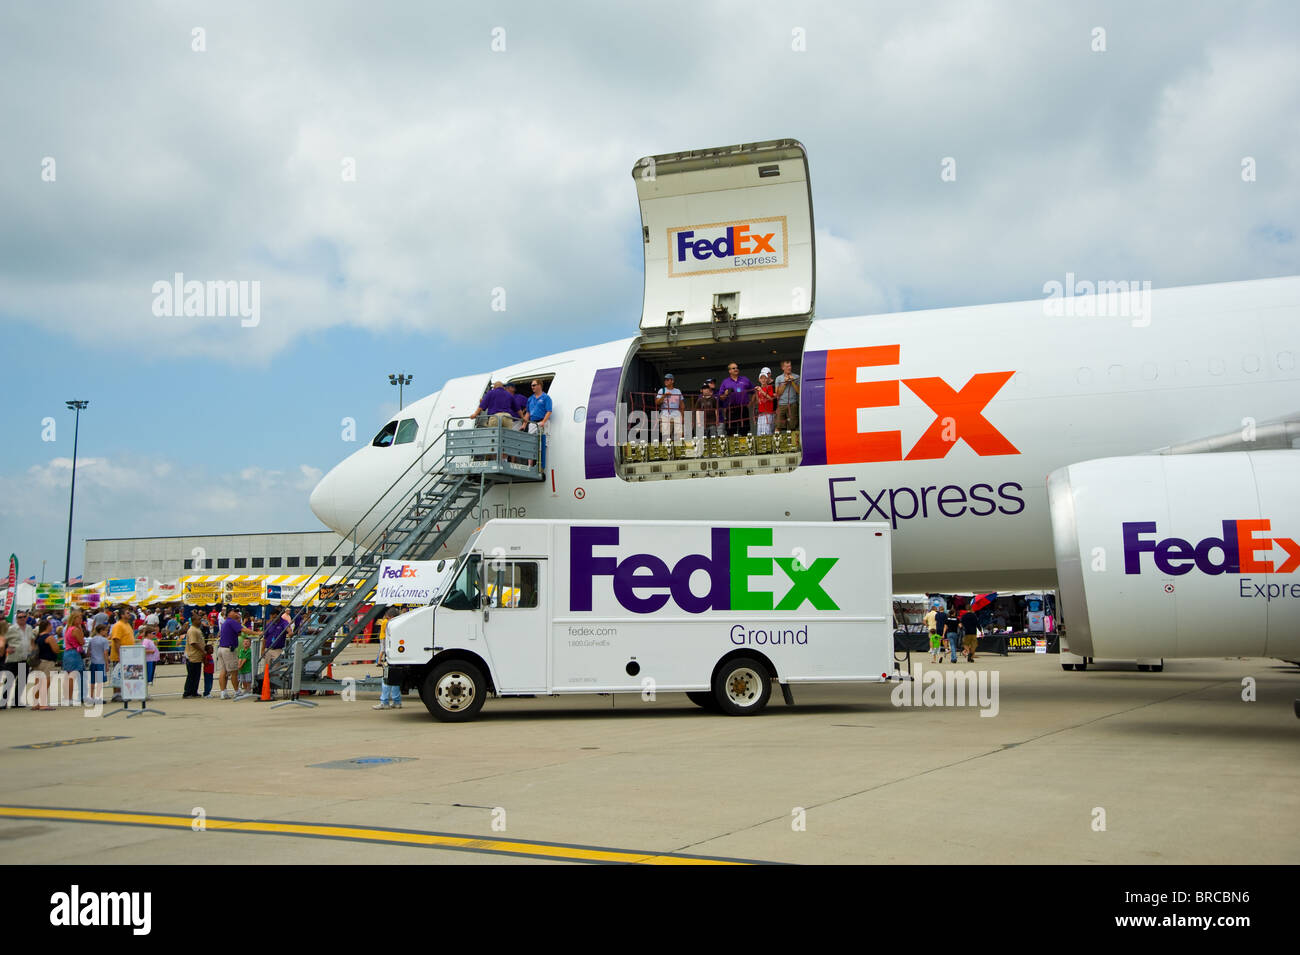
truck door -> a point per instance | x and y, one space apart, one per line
516 623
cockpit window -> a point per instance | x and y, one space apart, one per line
385 437
406 430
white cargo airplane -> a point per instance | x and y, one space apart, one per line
1166 419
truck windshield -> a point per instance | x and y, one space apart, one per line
463 594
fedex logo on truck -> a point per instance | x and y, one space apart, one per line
1235 552
727 246
644 583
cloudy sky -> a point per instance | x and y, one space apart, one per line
140 140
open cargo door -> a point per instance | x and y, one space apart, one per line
728 238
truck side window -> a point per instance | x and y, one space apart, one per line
463 594
512 584
526 584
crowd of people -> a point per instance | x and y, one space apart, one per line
503 407
81 651
952 633
735 406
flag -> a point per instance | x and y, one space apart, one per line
11 589
75 581
30 580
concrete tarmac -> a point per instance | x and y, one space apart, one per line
1105 766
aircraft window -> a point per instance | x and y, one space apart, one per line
406 431
385 437
463 594
580 414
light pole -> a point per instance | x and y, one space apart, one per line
72 497
399 381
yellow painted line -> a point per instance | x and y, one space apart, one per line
433 840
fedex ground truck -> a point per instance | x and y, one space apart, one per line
716 610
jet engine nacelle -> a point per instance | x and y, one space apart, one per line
1180 555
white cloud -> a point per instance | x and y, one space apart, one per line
476 170
145 497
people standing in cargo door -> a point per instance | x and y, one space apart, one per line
763 403
733 399
539 415
706 413
787 400
668 402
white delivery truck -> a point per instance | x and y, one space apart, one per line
717 611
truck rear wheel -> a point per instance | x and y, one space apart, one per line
454 691
742 687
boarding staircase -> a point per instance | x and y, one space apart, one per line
467 462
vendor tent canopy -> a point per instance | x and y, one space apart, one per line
277 589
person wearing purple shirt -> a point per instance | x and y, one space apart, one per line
733 400
519 404
499 406
276 632
227 654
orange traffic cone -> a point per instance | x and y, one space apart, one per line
329 675
266 684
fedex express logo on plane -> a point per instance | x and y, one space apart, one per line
644 583
727 246
832 386
1235 552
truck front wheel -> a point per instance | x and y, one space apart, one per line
742 687
454 691
704 700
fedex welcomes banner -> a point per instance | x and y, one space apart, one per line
694 570
740 246
413 582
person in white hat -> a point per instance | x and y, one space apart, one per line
763 403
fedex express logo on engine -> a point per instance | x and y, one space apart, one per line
1245 547
740 246
644 583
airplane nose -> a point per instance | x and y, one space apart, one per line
324 502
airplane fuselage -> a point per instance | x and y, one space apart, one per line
944 423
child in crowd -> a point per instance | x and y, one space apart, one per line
245 666
209 668
150 653
97 650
